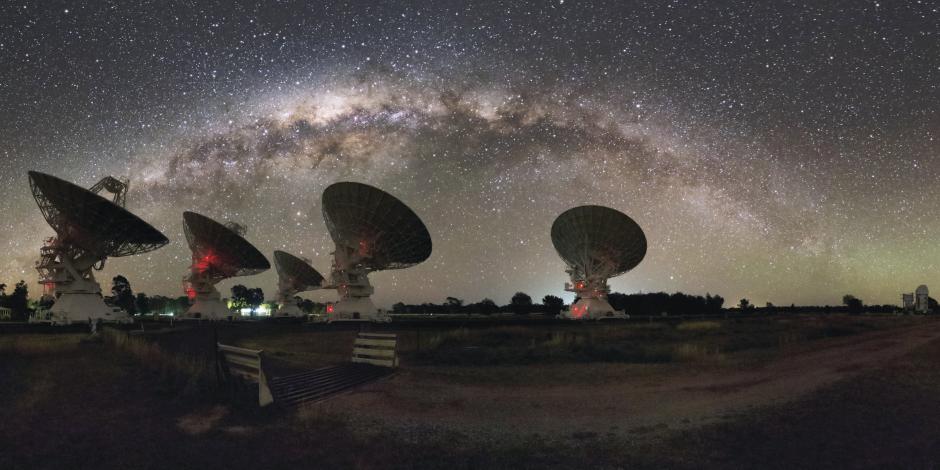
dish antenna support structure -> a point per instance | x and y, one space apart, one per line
218 252
89 229
372 231
597 243
294 275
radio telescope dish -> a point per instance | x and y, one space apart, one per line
373 231
89 229
597 243
295 275
218 252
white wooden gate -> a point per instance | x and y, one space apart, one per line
247 364
378 349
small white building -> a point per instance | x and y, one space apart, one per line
921 299
918 302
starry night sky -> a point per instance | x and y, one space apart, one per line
779 151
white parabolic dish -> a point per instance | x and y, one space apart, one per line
597 243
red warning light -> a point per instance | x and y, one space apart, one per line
577 311
363 248
204 263
329 308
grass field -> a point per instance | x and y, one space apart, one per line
151 401
662 342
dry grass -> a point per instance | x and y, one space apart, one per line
697 341
39 344
691 352
698 325
191 375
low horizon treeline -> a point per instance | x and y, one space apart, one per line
644 304
792 308
655 303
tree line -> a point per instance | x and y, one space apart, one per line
122 295
242 297
521 303
850 304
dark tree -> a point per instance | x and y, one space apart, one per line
553 304
400 307
521 303
122 295
239 297
143 303
453 305
487 307
255 299
854 304
713 304
18 301
659 303
745 305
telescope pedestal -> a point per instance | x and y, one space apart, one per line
355 302
289 308
592 309
208 305
357 309
80 302
592 303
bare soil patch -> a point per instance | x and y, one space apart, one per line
619 401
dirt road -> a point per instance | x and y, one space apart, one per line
622 400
